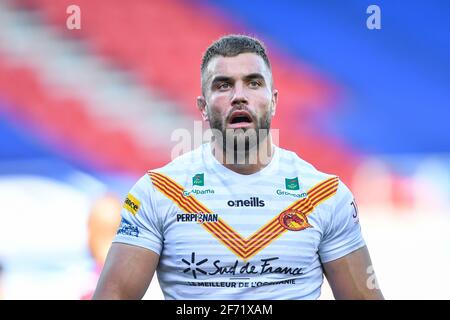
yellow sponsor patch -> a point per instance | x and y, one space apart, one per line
131 204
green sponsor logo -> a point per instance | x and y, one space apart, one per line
292 184
297 195
196 192
198 179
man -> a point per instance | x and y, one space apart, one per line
238 218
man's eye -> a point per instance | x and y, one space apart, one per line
254 84
224 85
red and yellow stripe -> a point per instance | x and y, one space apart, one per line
243 248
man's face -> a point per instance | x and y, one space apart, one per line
238 94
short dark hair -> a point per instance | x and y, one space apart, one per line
232 45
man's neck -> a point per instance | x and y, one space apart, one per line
255 159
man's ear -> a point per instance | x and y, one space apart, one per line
201 104
274 101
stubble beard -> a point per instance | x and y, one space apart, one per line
239 141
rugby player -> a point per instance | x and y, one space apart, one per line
238 217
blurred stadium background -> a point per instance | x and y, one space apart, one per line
84 113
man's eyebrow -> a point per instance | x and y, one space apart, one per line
252 76
220 79
247 77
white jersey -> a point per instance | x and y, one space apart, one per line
223 235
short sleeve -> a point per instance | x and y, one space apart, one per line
140 224
342 234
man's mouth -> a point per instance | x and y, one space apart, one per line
240 119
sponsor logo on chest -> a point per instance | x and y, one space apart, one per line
252 202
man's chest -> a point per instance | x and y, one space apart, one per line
230 225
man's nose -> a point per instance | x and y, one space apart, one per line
239 94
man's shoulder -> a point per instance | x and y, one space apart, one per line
291 162
312 179
172 176
182 166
